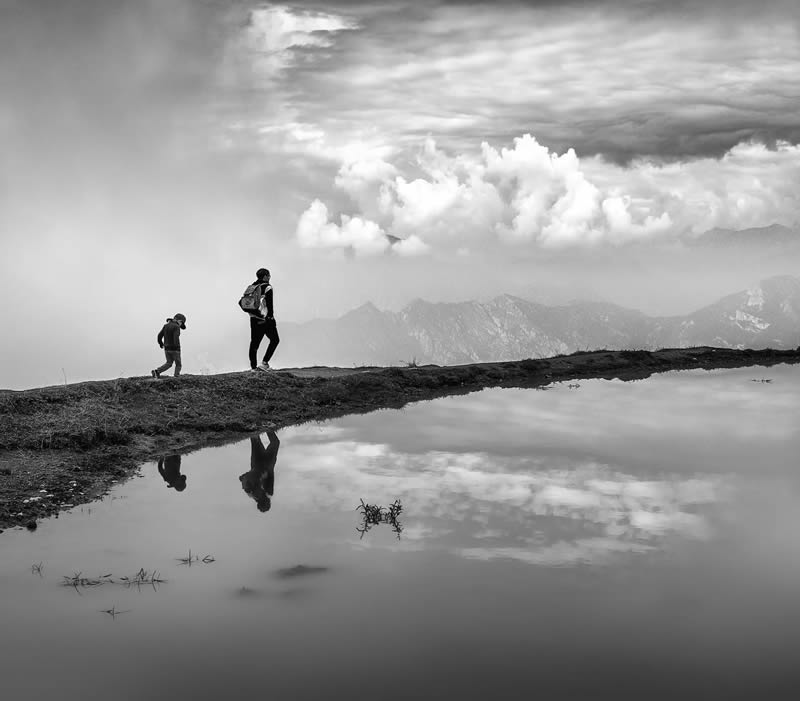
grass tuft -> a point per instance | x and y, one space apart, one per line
206 559
113 612
150 578
373 515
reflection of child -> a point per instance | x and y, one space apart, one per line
259 482
169 468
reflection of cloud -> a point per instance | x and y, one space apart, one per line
454 500
618 467
592 551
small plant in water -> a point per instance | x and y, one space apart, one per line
147 577
195 558
373 515
765 380
78 580
37 569
113 611
143 576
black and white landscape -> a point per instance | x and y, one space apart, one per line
424 184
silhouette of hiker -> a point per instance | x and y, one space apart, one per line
262 323
260 480
169 467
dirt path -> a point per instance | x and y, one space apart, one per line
65 445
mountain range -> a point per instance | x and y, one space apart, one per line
512 328
774 236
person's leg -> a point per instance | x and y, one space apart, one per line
274 339
257 330
176 356
167 365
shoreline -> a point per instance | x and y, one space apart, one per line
66 445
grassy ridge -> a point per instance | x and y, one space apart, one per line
93 433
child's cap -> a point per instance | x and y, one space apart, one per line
262 272
181 319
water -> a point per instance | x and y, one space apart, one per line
625 540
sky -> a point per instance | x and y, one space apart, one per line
154 153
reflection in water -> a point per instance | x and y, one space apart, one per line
633 541
300 571
546 510
259 482
169 467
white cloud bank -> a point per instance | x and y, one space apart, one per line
528 194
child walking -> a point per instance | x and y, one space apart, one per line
169 338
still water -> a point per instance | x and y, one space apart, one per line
608 540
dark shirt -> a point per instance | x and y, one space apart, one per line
170 336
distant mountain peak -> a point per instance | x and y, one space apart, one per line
771 235
368 309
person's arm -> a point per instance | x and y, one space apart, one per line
268 302
161 336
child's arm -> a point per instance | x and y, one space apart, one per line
160 338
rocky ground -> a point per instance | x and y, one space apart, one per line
66 445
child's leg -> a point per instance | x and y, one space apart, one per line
176 355
167 365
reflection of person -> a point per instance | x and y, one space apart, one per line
260 480
169 467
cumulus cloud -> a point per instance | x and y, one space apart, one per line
362 236
528 194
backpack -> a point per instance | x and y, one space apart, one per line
251 298
252 301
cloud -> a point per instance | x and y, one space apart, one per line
362 236
527 194
612 78
275 36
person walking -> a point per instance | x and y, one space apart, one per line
262 322
169 338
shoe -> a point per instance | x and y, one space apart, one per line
155 373
264 367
